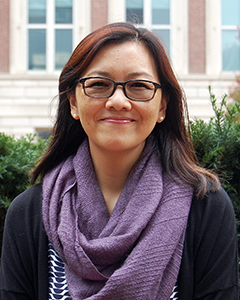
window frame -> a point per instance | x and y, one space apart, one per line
19 36
179 30
50 26
227 28
147 20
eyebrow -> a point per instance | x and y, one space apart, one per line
130 75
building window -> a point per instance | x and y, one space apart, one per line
230 35
153 14
50 34
43 133
134 11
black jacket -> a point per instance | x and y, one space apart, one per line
209 268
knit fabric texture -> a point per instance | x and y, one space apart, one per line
133 254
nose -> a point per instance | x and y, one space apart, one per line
118 100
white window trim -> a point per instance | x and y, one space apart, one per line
18 42
19 34
179 36
213 38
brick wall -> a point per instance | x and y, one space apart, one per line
4 36
197 50
99 13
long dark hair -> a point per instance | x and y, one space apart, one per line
172 135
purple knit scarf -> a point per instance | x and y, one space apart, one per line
133 254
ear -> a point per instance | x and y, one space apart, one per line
162 110
73 105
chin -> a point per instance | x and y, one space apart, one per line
122 146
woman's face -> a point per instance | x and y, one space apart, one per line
117 123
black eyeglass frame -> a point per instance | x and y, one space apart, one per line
123 84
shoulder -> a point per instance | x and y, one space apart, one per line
26 207
23 226
212 233
216 206
30 197
24 260
211 217
210 249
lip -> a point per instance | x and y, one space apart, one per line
117 120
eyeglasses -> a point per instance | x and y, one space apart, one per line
135 89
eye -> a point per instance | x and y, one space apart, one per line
138 84
97 83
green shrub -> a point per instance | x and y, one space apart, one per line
217 144
17 158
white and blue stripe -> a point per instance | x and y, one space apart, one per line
174 295
58 288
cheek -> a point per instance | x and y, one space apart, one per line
83 114
84 117
88 115
150 115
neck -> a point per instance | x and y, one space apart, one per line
112 170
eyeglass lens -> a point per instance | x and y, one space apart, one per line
103 88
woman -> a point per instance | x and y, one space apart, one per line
123 210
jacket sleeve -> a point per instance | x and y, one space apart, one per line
24 241
209 269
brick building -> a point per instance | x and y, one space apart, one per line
37 37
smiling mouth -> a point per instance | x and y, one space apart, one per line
118 120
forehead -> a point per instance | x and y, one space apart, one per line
124 57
